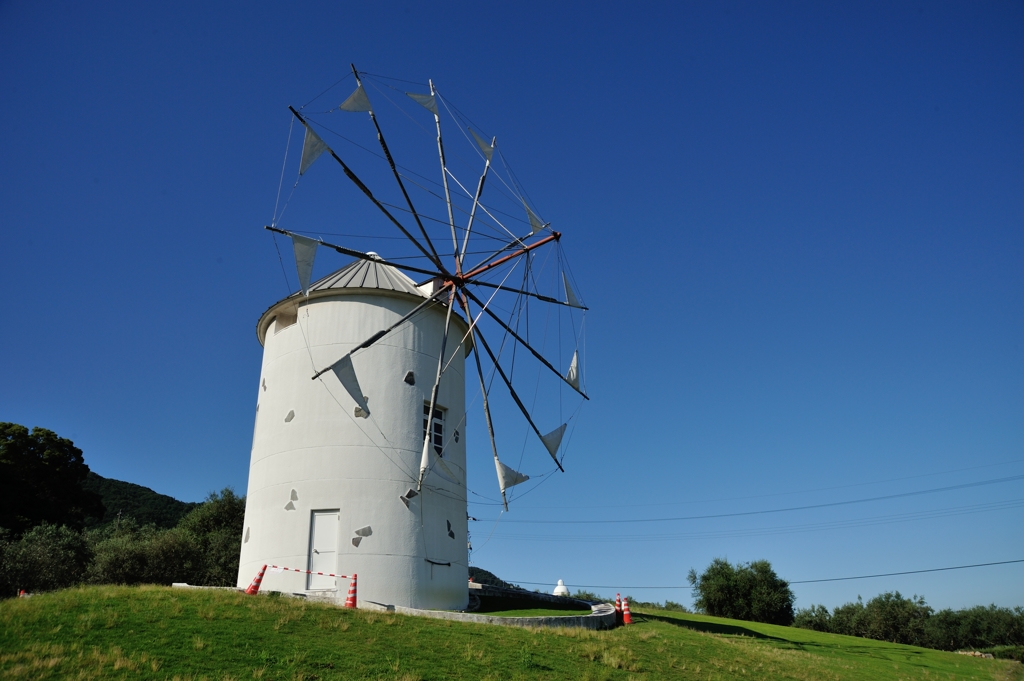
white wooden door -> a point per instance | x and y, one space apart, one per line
323 549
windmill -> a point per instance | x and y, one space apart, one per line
343 478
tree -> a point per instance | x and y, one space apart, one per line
41 478
897 619
217 525
746 591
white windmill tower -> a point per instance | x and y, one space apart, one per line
363 469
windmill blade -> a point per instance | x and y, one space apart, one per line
359 254
425 454
429 102
487 415
538 296
394 170
485 266
476 200
523 342
366 190
515 396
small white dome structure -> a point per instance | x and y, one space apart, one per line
560 589
332 479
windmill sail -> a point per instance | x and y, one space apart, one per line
305 253
312 147
357 101
428 102
570 297
553 439
508 477
484 147
573 377
535 224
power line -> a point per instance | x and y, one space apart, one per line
805 581
771 530
908 572
831 504
774 494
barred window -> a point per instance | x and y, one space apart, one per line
436 426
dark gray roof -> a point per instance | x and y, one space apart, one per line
367 274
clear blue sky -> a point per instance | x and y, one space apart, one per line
800 228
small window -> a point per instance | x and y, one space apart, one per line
285 318
436 427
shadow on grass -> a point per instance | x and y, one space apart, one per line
713 627
875 649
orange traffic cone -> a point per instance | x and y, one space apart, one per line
255 586
22 594
618 603
626 617
350 600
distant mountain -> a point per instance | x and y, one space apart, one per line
481 576
135 501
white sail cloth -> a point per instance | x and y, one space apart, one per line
312 147
570 296
428 102
357 101
508 477
305 253
573 377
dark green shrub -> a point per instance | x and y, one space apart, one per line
173 556
45 558
121 555
848 619
816 618
217 526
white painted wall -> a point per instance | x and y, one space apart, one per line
360 466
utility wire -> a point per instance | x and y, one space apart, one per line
774 510
804 581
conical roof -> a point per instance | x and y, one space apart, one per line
367 274
360 274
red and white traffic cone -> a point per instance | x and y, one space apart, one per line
22 594
626 617
255 586
350 600
618 603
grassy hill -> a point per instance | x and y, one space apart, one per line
135 501
163 633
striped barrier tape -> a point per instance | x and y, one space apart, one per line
280 568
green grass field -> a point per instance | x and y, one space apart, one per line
163 633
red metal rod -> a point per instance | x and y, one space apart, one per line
554 236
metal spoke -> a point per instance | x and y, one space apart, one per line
538 296
363 256
391 161
512 391
380 334
366 190
522 341
425 455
